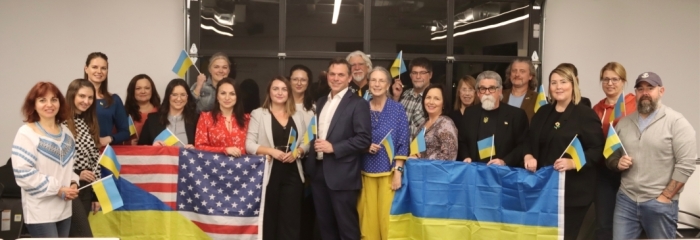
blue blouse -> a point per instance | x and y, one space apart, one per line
113 117
392 118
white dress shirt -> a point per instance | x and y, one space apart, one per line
326 115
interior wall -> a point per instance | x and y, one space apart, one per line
49 41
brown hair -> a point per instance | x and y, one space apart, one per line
131 105
615 67
290 107
40 89
238 111
533 73
89 115
471 82
103 86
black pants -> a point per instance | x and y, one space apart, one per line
606 195
573 218
283 196
336 211
80 227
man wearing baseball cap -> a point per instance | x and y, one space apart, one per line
656 159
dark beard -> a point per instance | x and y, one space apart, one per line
646 107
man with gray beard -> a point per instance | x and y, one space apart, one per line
505 125
360 64
657 158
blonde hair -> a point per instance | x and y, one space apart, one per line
471 82
290 106
567 74
217 56
615 67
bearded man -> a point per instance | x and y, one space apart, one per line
492 131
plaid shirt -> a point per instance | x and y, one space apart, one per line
412 102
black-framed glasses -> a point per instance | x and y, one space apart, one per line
490 89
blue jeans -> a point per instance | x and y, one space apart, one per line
50 230
659 220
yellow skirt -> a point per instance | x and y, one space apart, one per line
374 207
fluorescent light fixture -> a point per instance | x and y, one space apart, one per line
536 7
336 11
485 27
433 28
217 23
216 30
467 20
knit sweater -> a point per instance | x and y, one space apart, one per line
663 151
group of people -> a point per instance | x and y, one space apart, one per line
349 171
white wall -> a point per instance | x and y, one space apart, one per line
49 41
643 35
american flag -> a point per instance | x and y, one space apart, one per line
220 194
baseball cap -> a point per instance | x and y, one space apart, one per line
652 78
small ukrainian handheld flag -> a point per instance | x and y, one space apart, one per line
132 126
388 144
107 194
398 67
167 137
109 161
418 143
292 142
366 96
487 148
183 64
541 98
575 150
310 131
619 110
612 143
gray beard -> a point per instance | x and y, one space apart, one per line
488 102
646 107
357 79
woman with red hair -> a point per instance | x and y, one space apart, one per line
42 161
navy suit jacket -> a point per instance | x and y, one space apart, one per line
350 133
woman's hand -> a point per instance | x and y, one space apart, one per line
530 163
189 146
233 151
564 164
104 141
95 207
374 148
68 193
396 180
87 175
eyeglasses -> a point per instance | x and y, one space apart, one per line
608 80
490 89
181 95
420 73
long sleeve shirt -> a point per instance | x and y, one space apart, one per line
215 137
113 119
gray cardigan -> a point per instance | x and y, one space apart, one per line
260 134
665 150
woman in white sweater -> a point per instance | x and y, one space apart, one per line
42 161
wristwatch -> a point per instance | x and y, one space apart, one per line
398 168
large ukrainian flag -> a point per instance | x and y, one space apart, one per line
453 200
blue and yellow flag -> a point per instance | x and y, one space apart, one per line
109 161
167 137
398 67
108 194
132 126
487 147
388 144
541 98
435 202
619 110
612 143
292 142
310 131
183 64
575 150
366 96
418 143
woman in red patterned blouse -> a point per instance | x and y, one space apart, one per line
224 128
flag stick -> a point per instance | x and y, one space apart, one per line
387 134
195 67
567 147
173 134
101 179
618 137
493 140
102 154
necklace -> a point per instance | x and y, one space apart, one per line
54 136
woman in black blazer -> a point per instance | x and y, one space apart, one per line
178 110
552 128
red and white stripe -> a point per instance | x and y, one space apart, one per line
222 227
153 169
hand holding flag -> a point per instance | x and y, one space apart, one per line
575 150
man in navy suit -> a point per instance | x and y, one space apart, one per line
344 134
